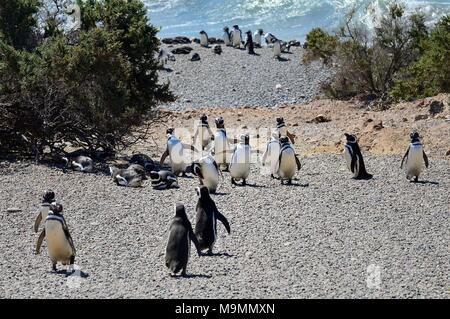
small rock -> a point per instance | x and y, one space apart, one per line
244 127
436 107
319 119
448 153
405 119
378 126
295 124
217 49
182 50
278 87
420 117
195 57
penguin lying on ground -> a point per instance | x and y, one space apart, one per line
179 243
48 199
133 176
272 154
354 158
288 162
59 242
414 158
206 220
175 151
163 180
79 163
207 171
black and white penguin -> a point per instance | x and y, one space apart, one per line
207 171
277 49
354 158
222 145
175 152
236 36
415 158
288 162
133 176
227 37
59 242
204 40
203 134
143 160
257 38
179 243
217 49
165 56
206 220
270 38
249 43
163 180
272 154
240 161
47 200
80 163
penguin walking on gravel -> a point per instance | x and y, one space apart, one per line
249 45
203 134
240 161
80 163
272 154
59 241
204 40
277 49
208 172
206 220
163 180
47 200
415 158
354 158
257 38
288 162
133 176
179 243
236 36
222 148
175 152
227 37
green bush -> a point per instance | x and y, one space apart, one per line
321 45
94 88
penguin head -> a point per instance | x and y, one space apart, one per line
284 140
67 163
350 138
56 208
236 27
180 211
202 32
202 192
414 136
248 33
220 123
154 175
280 121
170 130
49 196
226 29
204 119
245 139
260 31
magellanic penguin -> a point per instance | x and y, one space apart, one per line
277 49
272 154
240 161
208 172
163 180
143 160
133 176
175 152
257 38
270 38
48 199
204 41
249 45
227 37
59 242
164 56
179 244
222 148
206 220
80 163
354 158
203 134
288 162
283 131
236 36
415 158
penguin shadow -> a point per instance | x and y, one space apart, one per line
255 54
220 194
248 185
168 70
190 276
296 185
425 183
216 255
66 273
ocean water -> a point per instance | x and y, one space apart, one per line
287 19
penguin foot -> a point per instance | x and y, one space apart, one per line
233 182
289 182
54 267
416 179
244 182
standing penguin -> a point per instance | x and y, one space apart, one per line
277 49
227 36
415 158
175 151
354 158
272 154
179 244
48 199
249 43
288 162
207 171
59 242
257 38
222 149
236 36
240 161
203 134
204 41
206 220
163 180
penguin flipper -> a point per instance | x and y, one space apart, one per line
404 157
37 222
39 241
163 157
194 239
425 158
223 220
299 165
69 238
353 163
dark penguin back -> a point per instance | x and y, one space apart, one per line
177 251
206 225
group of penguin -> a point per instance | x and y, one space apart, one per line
279 156
235 39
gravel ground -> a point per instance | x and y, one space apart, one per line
236 78
314 240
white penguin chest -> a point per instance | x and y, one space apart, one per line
240 162
204 39
287 164
414 162
57 242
